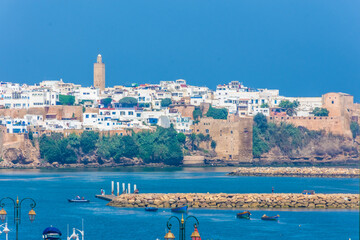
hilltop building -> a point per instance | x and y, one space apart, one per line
99 73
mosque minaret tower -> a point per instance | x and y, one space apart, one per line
99 74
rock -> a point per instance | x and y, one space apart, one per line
228 201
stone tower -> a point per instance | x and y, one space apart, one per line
99 74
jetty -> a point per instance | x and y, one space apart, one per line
297 172
106 197
236 201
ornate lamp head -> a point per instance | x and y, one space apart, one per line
3 214
32 215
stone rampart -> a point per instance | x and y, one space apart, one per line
337 125
231 201
297 172
233 137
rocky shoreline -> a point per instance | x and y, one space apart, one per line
297 172
233 201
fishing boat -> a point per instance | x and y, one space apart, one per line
78 200
151 209
271 218
245 215
182 209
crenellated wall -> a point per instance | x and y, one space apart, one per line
336 125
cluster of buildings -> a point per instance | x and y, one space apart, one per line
38 108
237 98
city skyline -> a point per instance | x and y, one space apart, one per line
310 52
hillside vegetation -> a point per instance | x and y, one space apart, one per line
287 140
160 146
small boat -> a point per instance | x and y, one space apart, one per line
308 192
245 215
79 200
182 209
271 218
151 209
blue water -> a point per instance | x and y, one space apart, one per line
52 188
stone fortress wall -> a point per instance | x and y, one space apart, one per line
233 137
342 110
335 125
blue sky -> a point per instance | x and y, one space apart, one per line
302 47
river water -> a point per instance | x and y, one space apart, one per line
52 188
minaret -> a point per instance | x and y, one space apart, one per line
99 74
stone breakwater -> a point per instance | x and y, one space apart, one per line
231 201
297 172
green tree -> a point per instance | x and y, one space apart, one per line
213 145
159 146
197 113
128 102
201 137
144 105
74 140
261 122
217 113
193 139
31 135
181 138
320 112
66 100
130 148
264 105
259 145
207 138
55 149
88 141
166 102
106 102
355 129
289 106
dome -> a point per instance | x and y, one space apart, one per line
51 230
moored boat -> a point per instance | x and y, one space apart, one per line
271 218
151 209
308 192
182 209
245 215
79 200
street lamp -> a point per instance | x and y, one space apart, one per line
17 211
5 230
195 235
182 224
75 235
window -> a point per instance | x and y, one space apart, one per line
130 113
207 130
